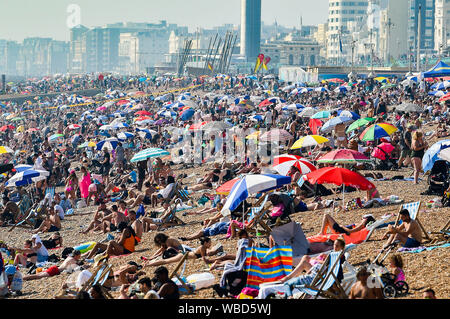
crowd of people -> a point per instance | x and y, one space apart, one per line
132 198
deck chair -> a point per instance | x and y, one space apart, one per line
372 227
174 273
413 209
99 276
325 283
30 215
442 235
172 219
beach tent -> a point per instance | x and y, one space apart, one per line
440 69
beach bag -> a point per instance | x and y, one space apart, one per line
140 212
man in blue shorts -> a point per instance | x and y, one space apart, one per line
215 229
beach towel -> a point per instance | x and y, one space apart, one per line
239 261
267 264
84 185
420 248
354 238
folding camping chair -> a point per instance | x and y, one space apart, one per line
414 209
325 283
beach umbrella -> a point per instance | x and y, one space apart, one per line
293 107
335 80
87 144
105 127
149 153
142 118
55 137
409 107
253 136
380 151
6 150
431 154
17 119
197 126
264 103
276 135
225 188
377 131
27 177
307 112
441 86
320 89
110 143
119 125
257 118
339 176
321 115
350 114
445 154
343 156
216 126
283 163
22 167
445 97
252 184
167 113
74 127
158 122
276 99
186 115
342 89
141 113
125 135
436 93
330 124
382 79
310 140
238 108
358 123
7 127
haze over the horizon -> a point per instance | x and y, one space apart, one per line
20 19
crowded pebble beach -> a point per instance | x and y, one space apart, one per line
169 174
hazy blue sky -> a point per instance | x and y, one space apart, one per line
47 18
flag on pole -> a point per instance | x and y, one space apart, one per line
259 61
340 43
266 61
210 66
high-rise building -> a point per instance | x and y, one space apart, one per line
427 15
340 14
393 41
441 25
250 28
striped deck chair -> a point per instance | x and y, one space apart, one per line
100 275
325 283
51 192
414 209
172 219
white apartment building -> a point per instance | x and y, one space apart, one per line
441 25
340 14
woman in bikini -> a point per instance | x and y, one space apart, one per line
418 147
71 187
203 251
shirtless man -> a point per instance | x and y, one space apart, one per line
408 233
101 213
10 212
73 259
136 224
111 222
341 137
51 223
360 290
144 198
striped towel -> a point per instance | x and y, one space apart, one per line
267 264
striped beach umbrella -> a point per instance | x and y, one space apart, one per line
322 115
343 156
27 177
377 131
74 127
149 153
125 135
22 167
283 163
310 140
110 143
358 123
252 184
